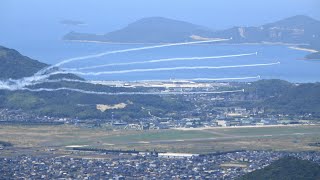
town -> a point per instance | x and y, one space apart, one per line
229 165
228 117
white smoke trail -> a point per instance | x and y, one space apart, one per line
128 93
14 84
161 69
161 60
123 51
65 80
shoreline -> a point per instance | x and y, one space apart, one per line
303 49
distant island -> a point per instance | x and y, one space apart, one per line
148 30
72 22
300 31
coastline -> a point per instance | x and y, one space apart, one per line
303 49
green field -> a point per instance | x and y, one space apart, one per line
157 135
291 138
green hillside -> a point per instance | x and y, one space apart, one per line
15 66
278 96
288 168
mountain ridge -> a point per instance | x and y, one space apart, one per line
296 29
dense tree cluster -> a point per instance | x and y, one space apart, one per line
288 168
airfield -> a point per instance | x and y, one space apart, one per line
58 139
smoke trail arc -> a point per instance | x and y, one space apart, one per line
125 50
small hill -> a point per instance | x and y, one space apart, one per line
302 99
282 97
149 30
15 66
288 168
270 88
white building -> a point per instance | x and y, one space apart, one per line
222 123
176 155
